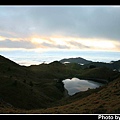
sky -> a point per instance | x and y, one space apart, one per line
55 28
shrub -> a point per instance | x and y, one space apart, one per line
15 83
24 81
31 83
92 66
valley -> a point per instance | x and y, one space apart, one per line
39 88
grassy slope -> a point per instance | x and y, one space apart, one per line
99 73
15 87
104 100
44 92
112 65
54 70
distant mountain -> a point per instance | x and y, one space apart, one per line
114 65
78 60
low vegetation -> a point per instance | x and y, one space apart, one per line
39 88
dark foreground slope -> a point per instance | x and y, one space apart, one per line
23 88
103 100
38 89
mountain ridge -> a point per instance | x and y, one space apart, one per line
114 65
25 89
79 60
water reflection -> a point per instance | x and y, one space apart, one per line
75 85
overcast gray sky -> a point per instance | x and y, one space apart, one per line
60 27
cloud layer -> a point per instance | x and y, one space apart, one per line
20 24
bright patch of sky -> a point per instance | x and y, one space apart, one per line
42 29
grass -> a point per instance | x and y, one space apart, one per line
34 89
103 101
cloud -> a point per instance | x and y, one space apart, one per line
21 23
31 45
16 44
53 46
88 22
58 43
78 45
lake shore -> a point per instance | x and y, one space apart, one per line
75 85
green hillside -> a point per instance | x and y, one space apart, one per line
24 89
102 100
99 73
39 88
54 70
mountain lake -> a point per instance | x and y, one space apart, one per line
75 85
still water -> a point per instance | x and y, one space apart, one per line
75 85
